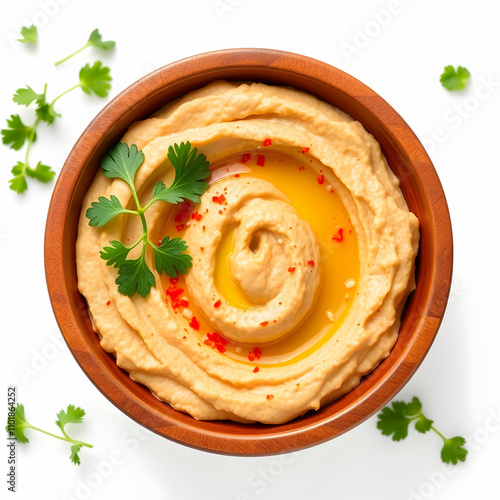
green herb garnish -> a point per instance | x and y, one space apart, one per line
122 162
72 415
452 79
395 421
92 79
30 35
95 40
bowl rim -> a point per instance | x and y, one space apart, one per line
132 399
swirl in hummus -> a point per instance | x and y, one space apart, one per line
303 256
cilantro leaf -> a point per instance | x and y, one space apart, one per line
30 35
169 257
423 424
103 210
122 162
72 415
25 96
20 424
393 422
116 254
95 39
47 113
454 450
17 133
18 182
135 276
95 79
191 169
453 80
41 172
74 457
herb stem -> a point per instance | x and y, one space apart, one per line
71 55
66 438
438 433
64 93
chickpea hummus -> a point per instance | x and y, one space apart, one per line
303 254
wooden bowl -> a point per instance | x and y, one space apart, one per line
419 182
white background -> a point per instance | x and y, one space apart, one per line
399 49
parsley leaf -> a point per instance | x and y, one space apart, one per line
191 169
95 40
20 424
169 257
454 450
116 254
95 79
25 96
103 210
30 35
123 162
18 182
17 132
452 79
396 420
135 276
72 415
42 173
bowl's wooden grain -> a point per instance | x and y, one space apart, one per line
421 187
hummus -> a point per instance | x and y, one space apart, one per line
303 256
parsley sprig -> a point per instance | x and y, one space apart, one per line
122 162
72 415
95 40
92 79
395 421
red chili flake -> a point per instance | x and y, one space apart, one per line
321 179
196 215
184 337
256 369
108 302
261 159
216 341
202 248
311 263
178 217
184 302
203 228
219 199
236 175
173 281
180 227
267 142
194 323
173 292
269 397
255 354
246 157
218 304
291 269
305 150
301 168
264 323
339 236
